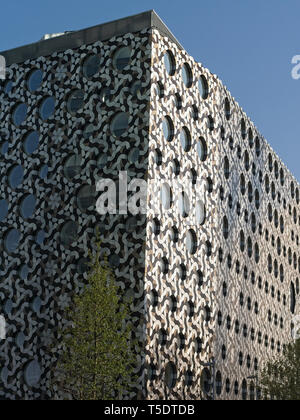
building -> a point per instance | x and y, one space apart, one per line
214 280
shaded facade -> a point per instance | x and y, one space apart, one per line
213 278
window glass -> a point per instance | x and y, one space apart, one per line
69 233
72 167
35 80
12 240
47 108
31 142
121 58
15 177
91 66
185 139
75 101
169 62
19 114
86 197
119 124
187 76
27 207
203 87
3 210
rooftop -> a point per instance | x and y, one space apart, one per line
71 40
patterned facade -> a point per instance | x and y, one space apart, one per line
215 278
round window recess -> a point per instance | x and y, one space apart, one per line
136 89
35 80
122 58
15 177
36 305
19 114
47 108
69 233
131 224
157 157
105 95
191 241
86 197
176 167
206 381
12 240
40 237
114 261
8 87
24 271
4 148
83 266
102 161
134 155
169 61
202 149
200 213
20 339
91 66
203 87
187 75
119 124
31 142
170 375
168 128
166 196
27 207
72 167
44 171
185 139
32 374
88 131
75 101
183 204
3 210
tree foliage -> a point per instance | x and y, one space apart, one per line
97 362
280 379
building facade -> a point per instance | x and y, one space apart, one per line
212 269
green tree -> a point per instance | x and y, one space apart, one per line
280 379
98 358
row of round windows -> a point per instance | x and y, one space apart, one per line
90 67
186 74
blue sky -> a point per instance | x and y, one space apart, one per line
249 44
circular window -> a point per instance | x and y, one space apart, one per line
102 161
75 101
88 131
136 88
200 213
134 155
47 108
206 381
187 75
86 197
3 210
35 80
32 374
170 375
203 87
27 207
169 62
158 157
8 87
69 233
19 114
185 139
191 241
31 142
119 124
91 66
4 148
227 109
166 196
72 167
24 271
105 95
44 171
168 128
121 58
15 177
202 149
11 241
183 204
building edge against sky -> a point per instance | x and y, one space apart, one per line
197 294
